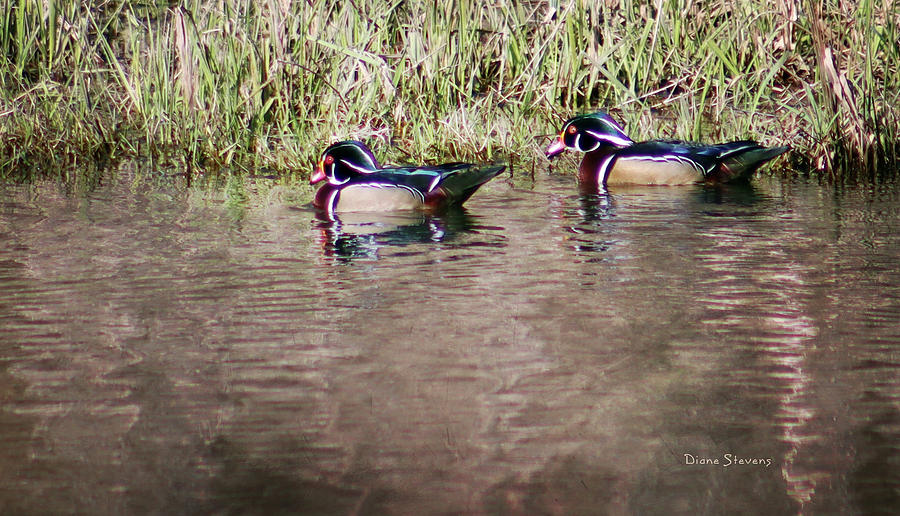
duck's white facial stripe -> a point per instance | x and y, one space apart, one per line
358 168
331 177
612 125
615 140
578 143
371 161
333 180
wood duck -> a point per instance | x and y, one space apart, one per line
356 182
612 158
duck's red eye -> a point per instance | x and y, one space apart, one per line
573 129
329 160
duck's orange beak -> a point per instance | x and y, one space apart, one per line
556 147
318 174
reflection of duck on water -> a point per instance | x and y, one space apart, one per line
592 229
596 207
593 211
713 200
361 235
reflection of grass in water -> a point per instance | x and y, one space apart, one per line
235 196
266 85
239 194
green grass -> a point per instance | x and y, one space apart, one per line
259 85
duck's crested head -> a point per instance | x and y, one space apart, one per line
343 161
586 133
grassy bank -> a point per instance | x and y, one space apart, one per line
266 84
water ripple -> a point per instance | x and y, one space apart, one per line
539 349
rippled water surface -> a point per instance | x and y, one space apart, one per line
653 351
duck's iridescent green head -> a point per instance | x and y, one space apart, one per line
342 161
586 133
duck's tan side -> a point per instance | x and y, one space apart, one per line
377 198
627 171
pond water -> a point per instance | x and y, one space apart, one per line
650 351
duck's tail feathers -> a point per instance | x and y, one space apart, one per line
460 186
745 158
